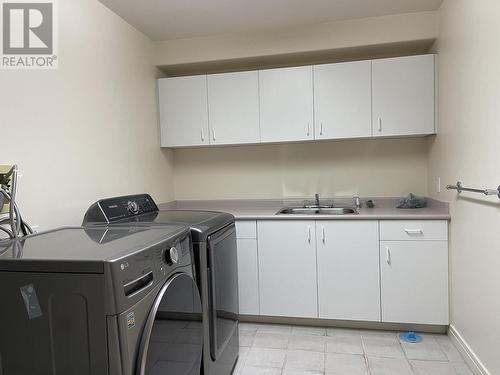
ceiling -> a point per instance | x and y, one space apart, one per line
174 19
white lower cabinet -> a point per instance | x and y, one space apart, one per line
287 268
414 282
248 276
385 271
348 270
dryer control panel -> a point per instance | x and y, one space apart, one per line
113 210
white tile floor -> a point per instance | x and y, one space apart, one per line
269 349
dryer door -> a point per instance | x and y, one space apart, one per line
223 289
173 337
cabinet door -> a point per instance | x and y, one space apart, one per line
287 268
286 104
233 107
414 282
248 276
183 111
403 96
342 100
348 270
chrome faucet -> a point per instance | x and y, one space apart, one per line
316 203
356 201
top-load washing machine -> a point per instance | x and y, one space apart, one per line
215 257
117 301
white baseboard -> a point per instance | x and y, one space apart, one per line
470 357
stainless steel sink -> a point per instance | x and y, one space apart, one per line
317 211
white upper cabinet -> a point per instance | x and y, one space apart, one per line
183 111
286 104
342 100
233 107
403 96
360 99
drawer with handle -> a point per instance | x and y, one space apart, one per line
413 230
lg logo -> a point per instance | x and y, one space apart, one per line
28 28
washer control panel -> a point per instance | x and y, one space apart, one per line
141 272
133 207
116 209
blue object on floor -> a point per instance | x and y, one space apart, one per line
410 337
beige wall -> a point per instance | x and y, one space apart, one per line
467 149
325 36
89 129
389 167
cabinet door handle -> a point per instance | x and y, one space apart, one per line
323 233
309 233
380 124
414 231
213 135
202 135
388 255
308 128
321 128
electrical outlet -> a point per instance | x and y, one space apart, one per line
439 185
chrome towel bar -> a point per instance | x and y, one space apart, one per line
459 188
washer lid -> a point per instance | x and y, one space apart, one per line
80 249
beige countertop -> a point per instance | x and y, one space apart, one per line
252 209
